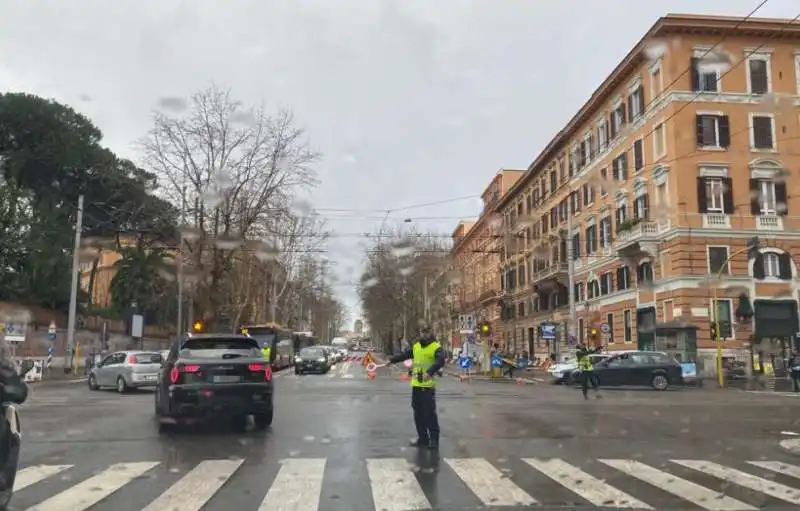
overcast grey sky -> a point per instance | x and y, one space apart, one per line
409 101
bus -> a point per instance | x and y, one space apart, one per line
302 340
280 340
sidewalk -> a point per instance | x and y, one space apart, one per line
58 377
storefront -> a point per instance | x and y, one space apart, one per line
775 335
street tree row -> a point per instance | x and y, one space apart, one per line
215 198
405 284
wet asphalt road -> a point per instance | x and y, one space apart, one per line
504 446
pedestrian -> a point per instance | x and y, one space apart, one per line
427 358
794 370
587 371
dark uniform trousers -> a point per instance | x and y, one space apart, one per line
423 402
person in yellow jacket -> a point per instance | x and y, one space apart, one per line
428 358
266 350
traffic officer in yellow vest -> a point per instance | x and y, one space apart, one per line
587 371
266 351
427 358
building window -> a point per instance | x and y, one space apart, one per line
704 79
667 311
619 167
588 194
714 195
659 141
638 155
644 272
758 74
602 135
768 197
623 278
605 232
713 130
617 119
762 131
718 260
610 323
591 239
606 283
636 103
576 246
603 179
641 207
628 322
656 81
772 267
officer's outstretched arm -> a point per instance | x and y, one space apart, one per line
401 357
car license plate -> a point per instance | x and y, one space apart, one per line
150 377
226 379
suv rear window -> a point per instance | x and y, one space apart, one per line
215 347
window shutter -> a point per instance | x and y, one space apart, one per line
588 241
646 203
623 167
638 154
630 107
612 132
758 267
702 199
781 199
695 75
699 123
755 197
594 237
608 131
724 131
640 97
785 266
624 114
727 196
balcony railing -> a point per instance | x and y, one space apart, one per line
551 272
642 231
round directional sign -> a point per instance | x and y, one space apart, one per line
372 368
408 363
605 328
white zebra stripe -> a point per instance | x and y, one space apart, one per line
698 495
394 486
771 488
297 487
779 467
32 475
197 487
490 485
87 493
587 486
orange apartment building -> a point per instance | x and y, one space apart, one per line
687 150
477 258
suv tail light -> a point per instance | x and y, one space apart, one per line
262 367
131 359
175 372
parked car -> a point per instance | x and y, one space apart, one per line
125 370
639 368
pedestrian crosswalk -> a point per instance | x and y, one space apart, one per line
395 484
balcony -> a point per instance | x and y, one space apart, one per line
489 296
547 278
631 237
769 223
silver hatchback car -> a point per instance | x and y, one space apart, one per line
126 370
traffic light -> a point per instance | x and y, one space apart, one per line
486 328
714 331
593 336
198 326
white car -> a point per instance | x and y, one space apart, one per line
563 373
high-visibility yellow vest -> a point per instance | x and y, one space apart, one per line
266 351
423 358
585 363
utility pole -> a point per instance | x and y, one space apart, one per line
571 321
425 300
180 264
73 294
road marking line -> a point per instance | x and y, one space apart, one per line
197 487
779 467
587 486
297 487
698 495
32 475
87 493
394 486
771 488
490 485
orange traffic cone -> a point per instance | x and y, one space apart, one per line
404 377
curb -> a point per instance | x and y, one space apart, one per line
60 381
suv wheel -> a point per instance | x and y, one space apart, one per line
660 382
92 384
263 420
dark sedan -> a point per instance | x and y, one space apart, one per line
639 368
215 375
313 359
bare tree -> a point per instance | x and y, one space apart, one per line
403 285
231 167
